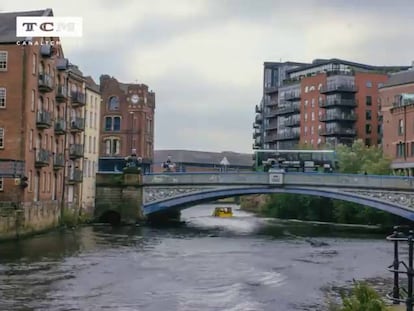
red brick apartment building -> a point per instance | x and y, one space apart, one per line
397 107
42 99
127 123
326 102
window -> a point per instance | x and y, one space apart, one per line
29 181
112 146
1 184
90 144
2 97
368 115
94 145
33 100
149 126
113 124
1 138
400 150
368 101
313 103
31 140
113 103
400 127
3 60
368 141
368 84
34 63
368 128
412 149
313 116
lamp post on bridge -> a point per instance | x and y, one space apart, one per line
168 165
133 162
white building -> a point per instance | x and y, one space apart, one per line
91 144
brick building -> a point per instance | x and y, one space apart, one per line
326 102
127 123
42 111
397 107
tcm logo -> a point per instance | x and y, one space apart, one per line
48 26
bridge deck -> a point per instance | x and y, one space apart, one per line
378 182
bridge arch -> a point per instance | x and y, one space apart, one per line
189 200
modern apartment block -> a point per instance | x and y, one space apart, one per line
127 123
326 102
397 107
91 143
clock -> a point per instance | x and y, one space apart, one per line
135 98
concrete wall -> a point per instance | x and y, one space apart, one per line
33 217
120 193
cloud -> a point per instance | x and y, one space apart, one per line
204 58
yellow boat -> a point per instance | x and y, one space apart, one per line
223 212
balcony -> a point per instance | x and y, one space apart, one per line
292 122
350 103
272 126
75 151
75 176
42 158
258 109
338 117
77 125
43 120
288 110
258 119
45 83
337 131
61 94
254 146
58 161
292 96
256 133
338 88
271 113
288 136
60 127
270 138
78 99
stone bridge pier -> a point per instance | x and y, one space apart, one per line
119 197
119 200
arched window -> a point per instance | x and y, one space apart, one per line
113 103
112 146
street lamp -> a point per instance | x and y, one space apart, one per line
168 165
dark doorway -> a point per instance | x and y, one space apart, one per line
111 217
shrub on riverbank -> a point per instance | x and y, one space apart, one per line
72 218
362 298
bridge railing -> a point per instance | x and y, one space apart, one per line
289 179
350 180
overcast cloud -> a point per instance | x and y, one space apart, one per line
204 58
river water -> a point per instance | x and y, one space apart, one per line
205 264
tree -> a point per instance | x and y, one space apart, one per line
359 158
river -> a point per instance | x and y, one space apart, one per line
205 264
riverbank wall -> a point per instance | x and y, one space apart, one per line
28 218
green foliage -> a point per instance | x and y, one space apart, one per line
72 218
363 298
360 158
355 159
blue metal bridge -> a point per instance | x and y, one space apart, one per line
163 192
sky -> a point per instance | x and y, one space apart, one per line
204 58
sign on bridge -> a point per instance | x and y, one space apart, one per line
275 178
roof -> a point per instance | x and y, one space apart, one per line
398 78
8 24
90 84
203 157
319 62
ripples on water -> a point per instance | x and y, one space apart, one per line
206 264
